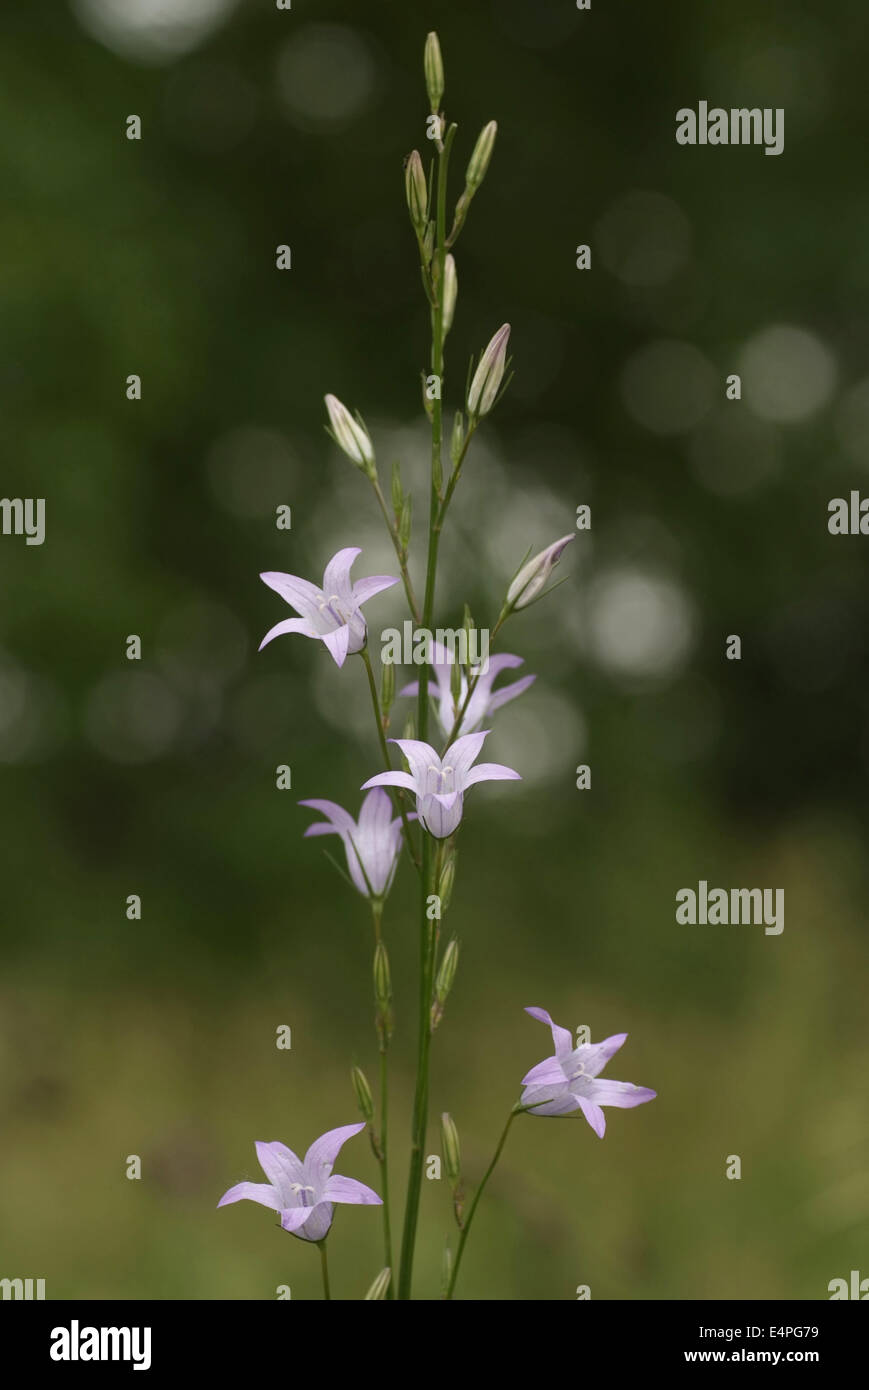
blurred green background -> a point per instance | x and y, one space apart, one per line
157 1037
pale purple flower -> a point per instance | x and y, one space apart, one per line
375 839
439 785
332 614
483 702
569 1080
304 1190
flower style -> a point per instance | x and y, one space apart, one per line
568 1081
332 614
304 1190
483 702
439 785
372 844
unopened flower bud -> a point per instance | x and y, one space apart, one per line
434 71
409 727
489 374
364 1098
533 577
451 289
380 1285
416 191
469 626
479 161
350 435
451 1149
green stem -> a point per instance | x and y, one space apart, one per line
383 1137
460 1249
420 1102
384 749
324 1265
400 554
437 366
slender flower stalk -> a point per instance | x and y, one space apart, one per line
468 1220
324 1265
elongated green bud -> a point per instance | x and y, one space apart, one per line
387 687
380 1286
489 374
382 977
451 289
533 577
397 493
456 684
469 626
434 71
479 161
405 522
449 966
416 191
457 441
451 1149
364 1098
409 727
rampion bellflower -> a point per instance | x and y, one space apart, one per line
372 844
484 700
569 1080
439 785
332 614
304 1190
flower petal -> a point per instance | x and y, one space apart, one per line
298 593
336 578
300 625
340 1189
281 1166
509 692
491 772
420 757
620 1093
550 1100
547 1073
364 589
390 779
463 752
316 1225
294 1217
338 643
323 1152
562 1039
594 1115
261 1192
341 819
594 1056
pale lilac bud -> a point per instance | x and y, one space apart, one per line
349 435
479 162
416 191
451 289
489 374
451 1149
434 71
533 577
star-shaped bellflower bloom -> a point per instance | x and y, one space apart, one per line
569 1080
332 614
304 1190
439 786
483 702
375 839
